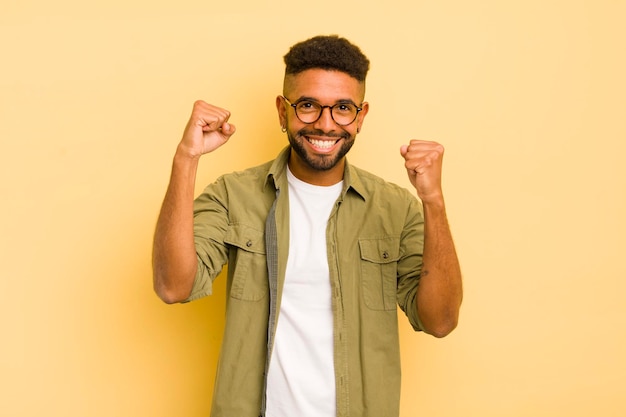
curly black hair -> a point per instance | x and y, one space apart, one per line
329 53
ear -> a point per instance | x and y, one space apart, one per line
359 120
282 111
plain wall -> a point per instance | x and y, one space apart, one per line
528 97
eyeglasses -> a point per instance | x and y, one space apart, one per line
310 112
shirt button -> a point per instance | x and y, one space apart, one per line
249 243
385 255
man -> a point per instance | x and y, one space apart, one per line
319 252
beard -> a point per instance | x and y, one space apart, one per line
315 161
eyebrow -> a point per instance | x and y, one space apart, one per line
313 99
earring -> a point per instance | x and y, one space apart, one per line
283 129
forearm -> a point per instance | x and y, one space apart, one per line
174 254
440 290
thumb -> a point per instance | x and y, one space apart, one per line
228 129
403 149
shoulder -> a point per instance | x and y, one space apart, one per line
237 185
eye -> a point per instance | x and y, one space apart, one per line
344 108
307 106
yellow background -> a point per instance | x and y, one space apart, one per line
528 97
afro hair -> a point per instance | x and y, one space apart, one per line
328 53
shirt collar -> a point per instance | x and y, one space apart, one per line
277 175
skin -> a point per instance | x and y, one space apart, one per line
309 163
440 291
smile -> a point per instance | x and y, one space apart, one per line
322 144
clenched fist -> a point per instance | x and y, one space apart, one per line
206 130
423 161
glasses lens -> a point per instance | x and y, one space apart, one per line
344 114
307 111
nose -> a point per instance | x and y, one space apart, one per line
325 122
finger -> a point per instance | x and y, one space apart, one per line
204 113
425 147
425 157
213 125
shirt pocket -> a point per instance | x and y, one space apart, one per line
379 261
248 264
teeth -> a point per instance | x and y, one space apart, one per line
323 144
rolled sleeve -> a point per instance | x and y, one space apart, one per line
410 263
210 227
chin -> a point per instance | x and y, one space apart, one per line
319 162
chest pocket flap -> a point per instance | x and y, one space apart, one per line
379 257
247 263
245 238
380 251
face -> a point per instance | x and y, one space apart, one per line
322 145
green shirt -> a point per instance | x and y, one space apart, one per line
375 239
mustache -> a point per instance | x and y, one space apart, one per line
319 132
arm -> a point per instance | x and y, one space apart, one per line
174 255
440 291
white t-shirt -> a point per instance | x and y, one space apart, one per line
301 376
